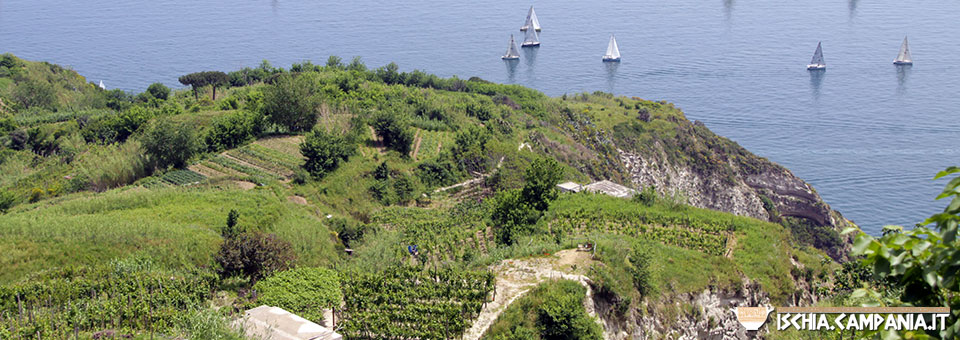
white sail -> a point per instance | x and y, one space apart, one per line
817 57
531 21
613 51
531 38
904 56
101 85
512 51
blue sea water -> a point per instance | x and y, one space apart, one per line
868 135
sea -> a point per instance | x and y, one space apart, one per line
868 135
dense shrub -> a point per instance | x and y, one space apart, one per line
540 186
470 149
405 188
647 196
233 130
169 144
292 102
394 131
254 255
324 152
110 166
437 172
32 93
512 217
7 200
302 291
159 91
347 230
118 127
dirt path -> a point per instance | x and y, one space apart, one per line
517 277
417 138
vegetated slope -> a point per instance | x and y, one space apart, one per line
83 192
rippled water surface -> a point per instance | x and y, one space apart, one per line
868 135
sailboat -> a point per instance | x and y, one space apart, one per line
531 21
817 62
101 85
904 58
531 39
512 52
613 52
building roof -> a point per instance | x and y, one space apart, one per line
610 188
274 323
569 186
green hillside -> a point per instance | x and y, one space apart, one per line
288 168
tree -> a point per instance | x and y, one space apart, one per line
512 217
335 62
168 144
394 131
303 291
206 78
470 148
541 183
31 93
159 91
231 230
924 262
382 172
324 152
254 255
291 102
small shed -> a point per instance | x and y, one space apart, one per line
569 187
610 188
275 323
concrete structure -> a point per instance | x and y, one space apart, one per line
274 323
610 188
569 187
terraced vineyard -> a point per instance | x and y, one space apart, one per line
431 143
439 235
408 303
665 227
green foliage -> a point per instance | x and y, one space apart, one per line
168 144
437 172
382 172
254 255
324 152
111 166
405 188
303 291
647 196
512 216
33 93
347 230
127 294
410 303
470 149
233 130
292 102
7 200
394 131
231 230
924 261
552 310
540 186
198 80
118 127
182 177
159 91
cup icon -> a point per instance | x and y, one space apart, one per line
752 318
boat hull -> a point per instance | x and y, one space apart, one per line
510 58
814 67
529 44
901 62
525 28
611 59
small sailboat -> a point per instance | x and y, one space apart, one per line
531 21
904 58
513 53
531 39
817 62
101 85
613 52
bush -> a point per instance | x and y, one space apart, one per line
347 231
110 166
291 102
170 145
302 291
437 173
470 149
405 189
647 196
254 255
396 133
540 186
324 152
233 130
159 91
7 200
512 217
